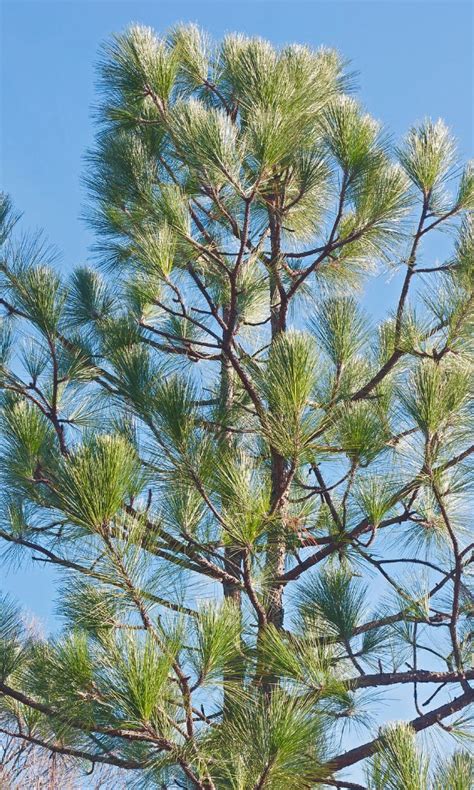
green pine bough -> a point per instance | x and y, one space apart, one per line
256 495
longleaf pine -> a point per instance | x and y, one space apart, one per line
252 477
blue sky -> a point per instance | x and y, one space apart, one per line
414 60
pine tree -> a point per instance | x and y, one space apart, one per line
256 494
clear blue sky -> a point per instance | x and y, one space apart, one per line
414 59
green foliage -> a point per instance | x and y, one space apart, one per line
306 661
89 298
268 138
289 381
436 396
289 378
123 178
456 773
465 195
217 635
11 633
171 207
156 250
210 141
334 601
192 51
381 200
39 293
375 497
138 377
29 442
8 218
138 62
249 68
278 741
62 672
428 155
360 431
6 340
308 194
399 765
174 405
89 607
352 136
118 332
341 328
94 483
139 674
245 496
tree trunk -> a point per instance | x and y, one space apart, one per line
276 551
232 556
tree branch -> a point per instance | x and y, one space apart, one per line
420 723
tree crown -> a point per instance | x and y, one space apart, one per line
254 492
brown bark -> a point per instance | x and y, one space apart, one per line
232 556
276 552
420 723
